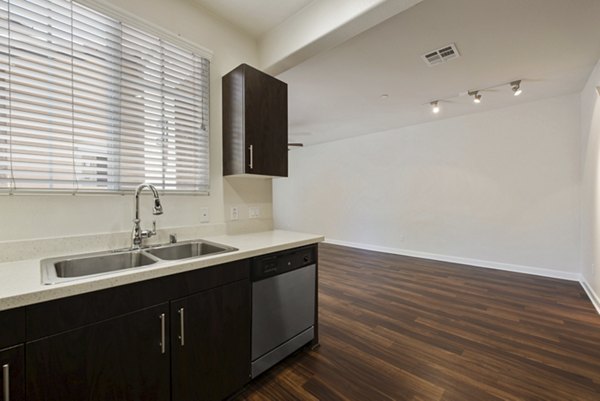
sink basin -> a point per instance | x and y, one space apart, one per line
68 268
190 249
60 269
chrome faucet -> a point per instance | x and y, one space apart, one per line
138 234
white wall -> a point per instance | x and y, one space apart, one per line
27 217
590 128
495 188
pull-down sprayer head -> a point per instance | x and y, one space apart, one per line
157 208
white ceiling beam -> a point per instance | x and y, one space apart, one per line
320 26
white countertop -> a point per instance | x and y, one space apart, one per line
21 281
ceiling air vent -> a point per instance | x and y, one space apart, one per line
441 55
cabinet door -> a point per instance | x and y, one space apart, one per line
212 358
12 327
266 125
125 358
12 374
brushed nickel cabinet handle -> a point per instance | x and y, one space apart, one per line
163 346
182 326
251 148
6 382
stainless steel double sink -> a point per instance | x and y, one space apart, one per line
69 268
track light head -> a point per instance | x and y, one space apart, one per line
516 87
476 96
435 107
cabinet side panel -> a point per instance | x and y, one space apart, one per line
280 129
233 122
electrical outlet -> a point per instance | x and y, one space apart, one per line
235 213
254 212
204 217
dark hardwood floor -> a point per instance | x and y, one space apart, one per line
401 328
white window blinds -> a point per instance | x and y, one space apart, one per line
90 104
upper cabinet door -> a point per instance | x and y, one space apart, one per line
255 123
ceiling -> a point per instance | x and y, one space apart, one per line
254 16
552 45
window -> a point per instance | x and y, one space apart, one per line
91 104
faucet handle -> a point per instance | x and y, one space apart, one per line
150 233
173 238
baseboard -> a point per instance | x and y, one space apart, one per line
591 293
463 261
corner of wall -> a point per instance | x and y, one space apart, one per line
594 297
590 167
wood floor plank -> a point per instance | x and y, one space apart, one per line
400 328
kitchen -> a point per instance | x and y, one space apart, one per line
398 179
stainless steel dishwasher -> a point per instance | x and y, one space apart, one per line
283 305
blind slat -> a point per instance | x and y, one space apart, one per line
32 72
106 143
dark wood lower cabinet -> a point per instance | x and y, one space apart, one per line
117 359
12 327
212 360
12 374
206 354
184 337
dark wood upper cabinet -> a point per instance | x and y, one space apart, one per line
255 123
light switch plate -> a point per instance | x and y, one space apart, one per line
254 212
204 216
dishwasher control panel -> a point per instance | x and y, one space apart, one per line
282 262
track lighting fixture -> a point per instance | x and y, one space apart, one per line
516 87
476 96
